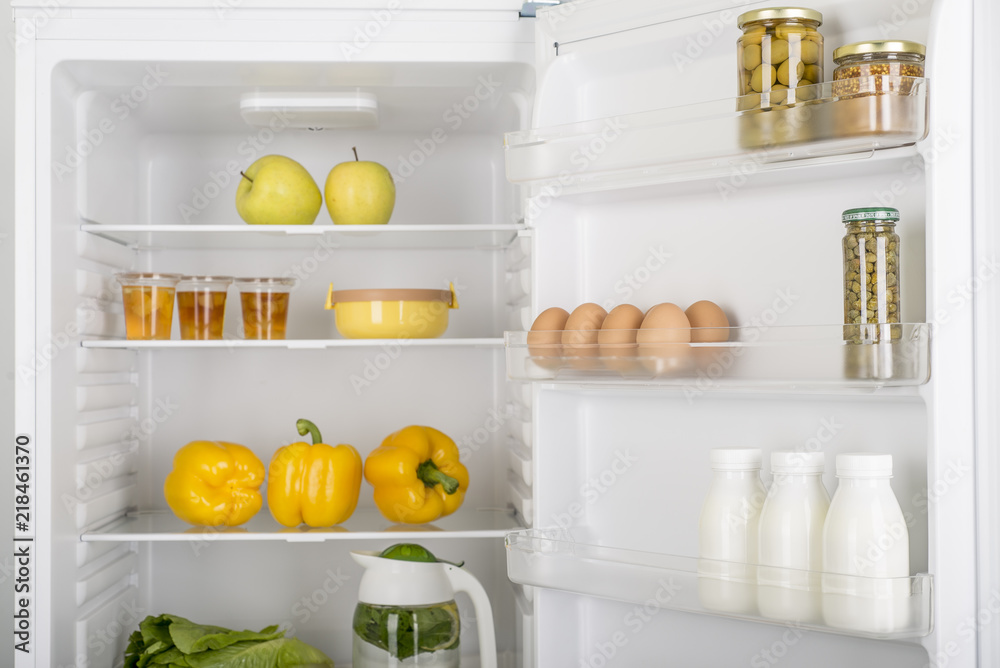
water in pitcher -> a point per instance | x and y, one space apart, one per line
391 636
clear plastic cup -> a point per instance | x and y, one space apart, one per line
265 306
201 306
149 304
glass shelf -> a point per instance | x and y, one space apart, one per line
749 357
331 237
292 344
882 608
841 120
364 524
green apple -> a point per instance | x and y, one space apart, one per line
276 190
360 193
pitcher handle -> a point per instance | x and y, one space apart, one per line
461 580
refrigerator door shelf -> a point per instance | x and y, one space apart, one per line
881 608
834 121
239 236
163 526
781 357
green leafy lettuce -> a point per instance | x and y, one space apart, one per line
169 641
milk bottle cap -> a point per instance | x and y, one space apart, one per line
735 459
797 462
864 465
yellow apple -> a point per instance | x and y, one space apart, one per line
276 190
360 193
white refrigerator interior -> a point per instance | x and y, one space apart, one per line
591 154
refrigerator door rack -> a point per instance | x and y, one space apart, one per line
751 357
888 608
846 119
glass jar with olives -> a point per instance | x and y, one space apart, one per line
871 275
779 55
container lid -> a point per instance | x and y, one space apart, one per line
401 583
895 46
141 277
266 281
207 279
778 13
401 295
250 283
128 275
882 213
864 465
797 462
735 459
404 574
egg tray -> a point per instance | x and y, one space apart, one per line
794 356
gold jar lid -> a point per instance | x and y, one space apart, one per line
779 14
896 46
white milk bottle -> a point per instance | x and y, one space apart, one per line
865 538
791 538
727 533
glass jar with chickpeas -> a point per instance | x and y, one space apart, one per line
876 68
779 55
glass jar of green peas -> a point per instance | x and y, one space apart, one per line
871 275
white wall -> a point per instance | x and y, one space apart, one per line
6 339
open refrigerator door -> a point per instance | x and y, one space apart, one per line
649 181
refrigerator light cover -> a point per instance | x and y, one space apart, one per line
334 110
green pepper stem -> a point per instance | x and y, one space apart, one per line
431 475
307 427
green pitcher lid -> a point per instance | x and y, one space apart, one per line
413 552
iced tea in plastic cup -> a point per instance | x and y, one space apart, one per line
149 304
201 306
265 306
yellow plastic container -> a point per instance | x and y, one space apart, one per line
391 314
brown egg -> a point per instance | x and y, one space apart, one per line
579 339
709 322
710 326
583 324
665 323
548 326
617 338
620 326
546 333
664 340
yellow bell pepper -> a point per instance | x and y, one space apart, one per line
314 484
417 476
214 483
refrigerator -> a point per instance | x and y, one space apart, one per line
544 155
